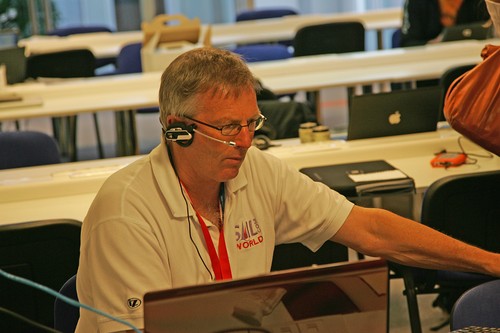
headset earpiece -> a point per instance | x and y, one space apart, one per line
180 133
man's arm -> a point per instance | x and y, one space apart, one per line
380 233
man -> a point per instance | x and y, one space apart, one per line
205 206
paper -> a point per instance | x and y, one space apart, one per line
375 176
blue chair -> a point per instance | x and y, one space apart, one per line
27 148
264 13
479 306
65 315
263 52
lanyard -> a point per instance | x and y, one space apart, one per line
220 263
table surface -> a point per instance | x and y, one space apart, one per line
105 45
67 190
132 91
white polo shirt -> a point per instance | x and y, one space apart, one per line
137 236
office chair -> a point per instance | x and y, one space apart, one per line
84 29
263 52
129 61
65 315
325 38
464 207
284 118
27 148
479 306
46 252
445 81
66 64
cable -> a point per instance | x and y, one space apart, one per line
68 300
28 321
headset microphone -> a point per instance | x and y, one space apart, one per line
229 143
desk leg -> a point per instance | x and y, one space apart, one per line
126 134
64 129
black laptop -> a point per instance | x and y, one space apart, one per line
348 297
394 113
14 59
465 31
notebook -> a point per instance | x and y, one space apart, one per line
394 113
465 31
348 297
362 178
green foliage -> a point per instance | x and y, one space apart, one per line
14 16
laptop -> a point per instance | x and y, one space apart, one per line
466 31
14 59
349 297
394 113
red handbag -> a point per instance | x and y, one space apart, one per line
472 104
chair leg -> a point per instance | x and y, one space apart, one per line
100 148
411 299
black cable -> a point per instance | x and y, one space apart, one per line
27 320
187 213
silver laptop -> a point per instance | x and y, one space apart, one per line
394 113
343 297
466 31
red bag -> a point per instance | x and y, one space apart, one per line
472 104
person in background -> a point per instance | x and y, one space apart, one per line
424 20
205 205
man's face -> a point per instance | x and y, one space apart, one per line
214 160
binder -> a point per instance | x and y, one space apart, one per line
369 178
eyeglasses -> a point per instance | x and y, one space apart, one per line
234 129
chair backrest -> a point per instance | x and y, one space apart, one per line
263 52
63 64
479 306
264 13
46 252
129 59
284 118
450 75
466 207
65 315
336 37
75 30
27 148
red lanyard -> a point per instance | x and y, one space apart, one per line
220 263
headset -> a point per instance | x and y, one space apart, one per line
183 134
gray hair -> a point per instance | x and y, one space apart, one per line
199 71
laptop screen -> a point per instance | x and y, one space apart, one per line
14 59
466 31
341 297
394 113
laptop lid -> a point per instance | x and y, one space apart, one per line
14 59
465 31
394 113
342 297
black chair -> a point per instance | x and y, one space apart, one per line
27 148
479 306
464 207
445 81
66 315
284 118
46 252
325 38
84 29
78 63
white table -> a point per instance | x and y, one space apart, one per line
67 190
108 45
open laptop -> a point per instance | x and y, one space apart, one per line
465 31
394 113
343 297
14 59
